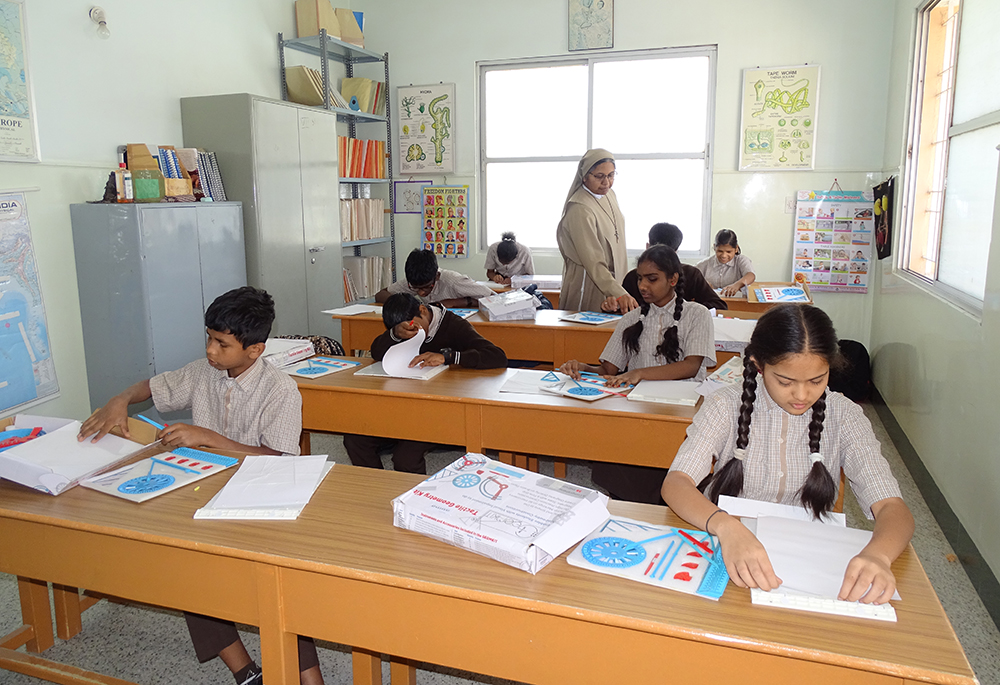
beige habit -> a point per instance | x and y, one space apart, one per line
591 239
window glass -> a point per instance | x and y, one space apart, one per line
980 49
527 198
676 187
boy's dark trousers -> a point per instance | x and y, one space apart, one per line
211 635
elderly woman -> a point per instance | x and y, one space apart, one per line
591 238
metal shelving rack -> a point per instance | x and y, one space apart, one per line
327 49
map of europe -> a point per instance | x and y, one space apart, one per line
14 100
27 372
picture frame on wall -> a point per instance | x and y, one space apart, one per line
591 24
408 196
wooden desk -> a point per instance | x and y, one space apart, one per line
342 572
465 407
752 304
544 339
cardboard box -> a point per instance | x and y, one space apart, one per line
513 305
516 517
732 335
350 31
313 15
177 186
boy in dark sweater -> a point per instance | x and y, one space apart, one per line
696 288
450 340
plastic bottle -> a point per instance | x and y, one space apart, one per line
125 192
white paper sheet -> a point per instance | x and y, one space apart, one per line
272 481
212 511
352 309
531 382
46 423
396 361
751 508
808 556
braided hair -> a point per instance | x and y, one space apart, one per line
784 330
666 260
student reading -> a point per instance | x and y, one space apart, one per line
783 440
508 258
431 284
696 288
450 340
667 338
240 403
728 270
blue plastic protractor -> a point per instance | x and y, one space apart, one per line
584 391
613 552
143 485
312 370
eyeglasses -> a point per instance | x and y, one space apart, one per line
600 177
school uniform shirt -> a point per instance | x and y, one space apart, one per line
519 266
696 288
720 275
450 285
472 351
260 407
695 336
777 455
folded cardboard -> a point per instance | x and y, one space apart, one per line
313 15
516 517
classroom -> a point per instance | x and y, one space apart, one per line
934 360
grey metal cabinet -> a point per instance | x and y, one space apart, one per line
280 160
146 274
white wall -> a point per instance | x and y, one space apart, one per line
848 43
935 365
92 95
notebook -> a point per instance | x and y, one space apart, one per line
290 482
667 392
593 318
421 374
159 474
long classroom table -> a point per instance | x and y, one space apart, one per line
343 573
465 407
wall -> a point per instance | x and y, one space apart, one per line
430 42
936 365
92 95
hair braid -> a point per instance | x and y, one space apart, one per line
819 491
729 479
630 338
669 348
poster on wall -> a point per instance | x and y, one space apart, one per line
27 371
833 240
446 220
18 135
591 24
778 118
426 142
409 196
884 194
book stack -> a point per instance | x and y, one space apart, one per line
305 86
361 158
368 95
210 178
362 219
364 276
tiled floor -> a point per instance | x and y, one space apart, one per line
152 646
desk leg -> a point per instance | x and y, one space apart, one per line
305 443
68 610
367 667
533 464
279 654
402 672
506 458
559 468
36 613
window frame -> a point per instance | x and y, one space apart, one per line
911 160
590 60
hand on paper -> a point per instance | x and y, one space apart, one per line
502 280
627 378
406 330
572 368
731 290
185 435
610 304
114 413
427 359
746 560
868 580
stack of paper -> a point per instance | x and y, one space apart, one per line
362 219
396 362
305 86
360 158
353 309
733 335
281 352
369 95
667 392
512 305
268 487
365 276
544 282
594 318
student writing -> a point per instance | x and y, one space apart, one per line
781 437
431 284
508 258
238 402
696 288
729 271
450 340
667 338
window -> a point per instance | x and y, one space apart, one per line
652 109
951 165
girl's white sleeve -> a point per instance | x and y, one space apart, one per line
707 436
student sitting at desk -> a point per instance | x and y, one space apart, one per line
239 403
801 435
508 258
696 288
450 340
431 284
728 270
668 338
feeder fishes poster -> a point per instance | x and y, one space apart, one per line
689 561
778 118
